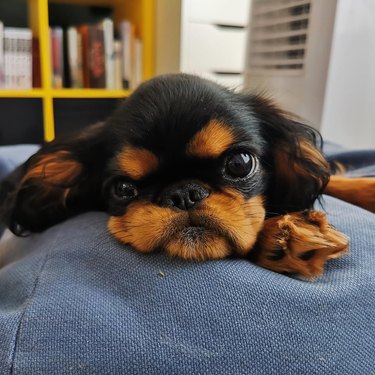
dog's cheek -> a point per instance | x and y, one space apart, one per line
242 218
144 226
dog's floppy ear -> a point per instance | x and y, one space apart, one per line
298 170
62 179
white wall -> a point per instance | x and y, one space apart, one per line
349 109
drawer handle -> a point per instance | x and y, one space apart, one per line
232 27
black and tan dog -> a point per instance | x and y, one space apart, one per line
200 171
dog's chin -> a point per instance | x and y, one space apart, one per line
198 243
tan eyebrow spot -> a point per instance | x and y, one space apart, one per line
211 141
137 162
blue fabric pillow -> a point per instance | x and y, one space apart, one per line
12 156
74 301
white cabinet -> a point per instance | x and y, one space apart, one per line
204 37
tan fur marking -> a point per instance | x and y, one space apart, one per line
211 141
137 162
226 221
292 171
358 191
57 168
297 234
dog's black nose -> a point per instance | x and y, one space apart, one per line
184 196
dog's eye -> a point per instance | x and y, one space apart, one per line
124 191
240 165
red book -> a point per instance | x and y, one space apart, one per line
84 31
96 57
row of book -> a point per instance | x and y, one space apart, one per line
15 58
85 56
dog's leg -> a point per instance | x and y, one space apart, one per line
358 191
299 243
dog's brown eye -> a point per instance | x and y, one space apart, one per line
124 191
240 165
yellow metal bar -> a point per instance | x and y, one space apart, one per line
39 23
36 93
89 93
49 129
148 25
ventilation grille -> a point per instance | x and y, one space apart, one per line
278 36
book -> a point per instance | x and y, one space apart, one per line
83 31
74 51
2 83
93 59
37 82
17 58
117 62
107 26
96 57
126 31
56 41
138 63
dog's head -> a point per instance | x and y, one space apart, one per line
183 165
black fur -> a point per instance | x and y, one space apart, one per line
162 115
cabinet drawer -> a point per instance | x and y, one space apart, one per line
223 12
211 48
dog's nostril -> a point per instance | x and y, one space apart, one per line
195 196
184 197
176 200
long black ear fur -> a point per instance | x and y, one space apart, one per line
298 171
62 179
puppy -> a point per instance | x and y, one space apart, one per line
193 168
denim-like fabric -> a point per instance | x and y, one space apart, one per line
12 156
74 301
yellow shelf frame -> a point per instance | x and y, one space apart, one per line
140 12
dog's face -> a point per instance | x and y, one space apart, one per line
183 165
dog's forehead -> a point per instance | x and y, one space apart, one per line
172 108
176 118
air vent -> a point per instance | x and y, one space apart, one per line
278 36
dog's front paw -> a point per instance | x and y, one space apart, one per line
299 243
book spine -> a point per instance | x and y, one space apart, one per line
83 32
37 81
75 57
117 58
138 62
17 58
2 63
9 51
125 33
97 77
107 26
56 37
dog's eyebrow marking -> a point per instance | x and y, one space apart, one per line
137 162
211 141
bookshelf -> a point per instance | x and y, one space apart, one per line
139 12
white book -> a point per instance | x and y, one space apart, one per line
138 62
2 55
18 58
108 32
126 39
117 64
74 46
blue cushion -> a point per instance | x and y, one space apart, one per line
74 301
12 156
